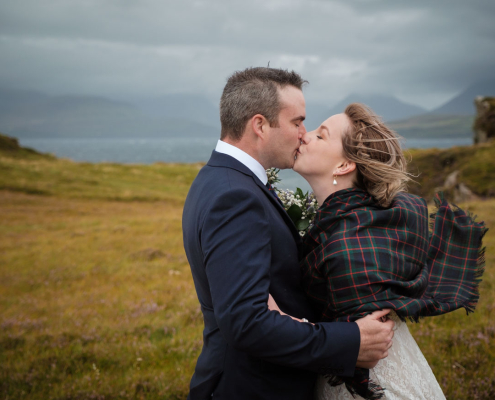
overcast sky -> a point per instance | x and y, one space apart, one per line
423 52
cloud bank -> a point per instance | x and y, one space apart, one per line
422 52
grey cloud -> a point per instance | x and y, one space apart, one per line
421 51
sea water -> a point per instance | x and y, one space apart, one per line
175 149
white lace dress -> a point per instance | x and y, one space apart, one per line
405 373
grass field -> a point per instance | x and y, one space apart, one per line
97 300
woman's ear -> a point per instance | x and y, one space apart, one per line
345 168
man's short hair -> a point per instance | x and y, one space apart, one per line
250 92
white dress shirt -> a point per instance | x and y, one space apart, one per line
244 158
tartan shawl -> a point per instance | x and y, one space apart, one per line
362 257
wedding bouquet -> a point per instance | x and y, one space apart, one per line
301 207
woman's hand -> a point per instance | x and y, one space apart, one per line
272 306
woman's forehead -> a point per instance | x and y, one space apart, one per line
337 123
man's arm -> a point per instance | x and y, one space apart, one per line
376 333
236 243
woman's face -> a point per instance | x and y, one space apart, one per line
321 150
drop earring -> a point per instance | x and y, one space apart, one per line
335 180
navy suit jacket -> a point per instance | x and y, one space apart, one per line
241 246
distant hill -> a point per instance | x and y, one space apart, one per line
434 126
388 107
27 114
452 119
463 103
182 106
31 114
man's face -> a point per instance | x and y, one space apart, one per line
284 141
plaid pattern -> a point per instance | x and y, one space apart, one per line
364 258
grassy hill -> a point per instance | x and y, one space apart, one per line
97 300
24 170
475 163
9 147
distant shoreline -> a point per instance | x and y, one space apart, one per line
184 150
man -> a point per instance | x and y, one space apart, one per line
241 246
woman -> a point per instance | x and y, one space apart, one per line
370 249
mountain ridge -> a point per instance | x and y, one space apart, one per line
390 108
463 103
43 116
25 113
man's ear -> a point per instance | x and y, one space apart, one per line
259 125
345 168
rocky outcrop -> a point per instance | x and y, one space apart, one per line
457 191
484 123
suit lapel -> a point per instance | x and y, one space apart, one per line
223 160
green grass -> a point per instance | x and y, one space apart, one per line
475 163
28 172
97 300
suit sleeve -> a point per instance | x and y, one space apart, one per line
235 239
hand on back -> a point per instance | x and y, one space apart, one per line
376 338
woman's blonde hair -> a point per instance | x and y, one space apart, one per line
376 150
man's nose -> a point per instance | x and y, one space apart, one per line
302 129
304 137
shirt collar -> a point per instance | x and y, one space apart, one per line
254 166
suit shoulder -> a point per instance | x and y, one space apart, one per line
223 179
217 187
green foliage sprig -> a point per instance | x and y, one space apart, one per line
301 207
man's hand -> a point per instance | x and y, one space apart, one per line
376 338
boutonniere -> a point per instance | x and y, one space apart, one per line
301 207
